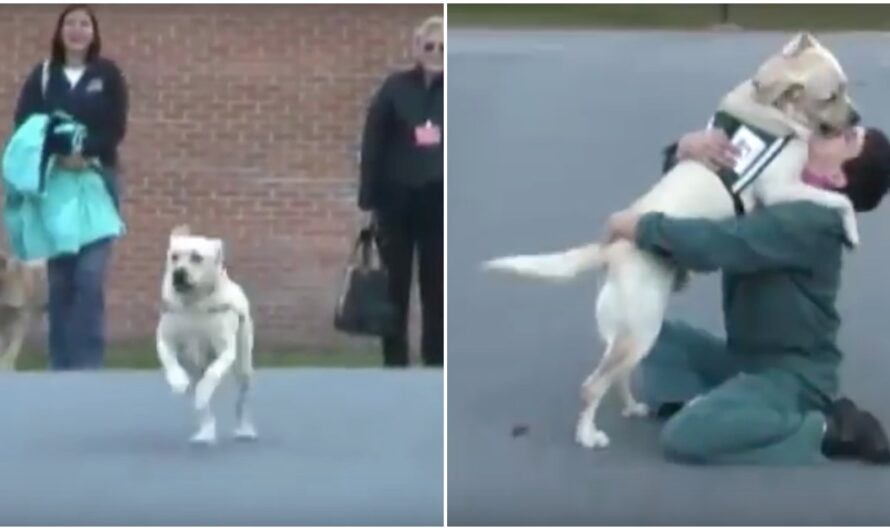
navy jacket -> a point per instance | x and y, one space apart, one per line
392 163
99 101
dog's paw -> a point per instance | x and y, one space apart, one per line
178 381
591 438
852 230
205 435
245 431
852 233
635 410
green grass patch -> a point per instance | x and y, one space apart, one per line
790 17
142 356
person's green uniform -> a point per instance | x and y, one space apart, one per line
759 394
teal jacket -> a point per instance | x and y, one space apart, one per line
782 273
49 211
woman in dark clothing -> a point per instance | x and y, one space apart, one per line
402 184
91 89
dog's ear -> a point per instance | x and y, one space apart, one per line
770 91
801 42
775 80
219 247
181 230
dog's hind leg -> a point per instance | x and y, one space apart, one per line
637 350
632 407
594 388
243 372
7 363
12 347
623 354
244 427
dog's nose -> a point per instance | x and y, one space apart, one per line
855 118
179 277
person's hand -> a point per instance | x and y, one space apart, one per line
710 147
622 225
72 162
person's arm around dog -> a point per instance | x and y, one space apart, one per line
792 235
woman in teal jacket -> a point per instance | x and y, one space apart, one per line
92 90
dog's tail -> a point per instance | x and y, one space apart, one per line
557 266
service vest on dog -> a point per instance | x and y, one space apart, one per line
757 149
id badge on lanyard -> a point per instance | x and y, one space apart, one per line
427 135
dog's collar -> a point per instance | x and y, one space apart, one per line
758 149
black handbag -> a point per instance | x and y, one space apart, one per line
364 306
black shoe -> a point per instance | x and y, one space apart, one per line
854 433
666 410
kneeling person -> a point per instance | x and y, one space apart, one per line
767 394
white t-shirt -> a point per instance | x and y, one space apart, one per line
74 73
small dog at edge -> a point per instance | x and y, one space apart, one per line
205 331
23 299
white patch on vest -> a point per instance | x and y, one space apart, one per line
758 165
750 147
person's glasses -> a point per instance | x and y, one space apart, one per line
429 47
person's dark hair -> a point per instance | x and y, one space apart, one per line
58 46
868 175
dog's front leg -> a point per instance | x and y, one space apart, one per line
207 386
214 374
798 191
176 376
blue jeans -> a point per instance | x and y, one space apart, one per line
77 308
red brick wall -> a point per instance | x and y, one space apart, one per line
244 122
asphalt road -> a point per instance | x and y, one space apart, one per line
337 447
549 133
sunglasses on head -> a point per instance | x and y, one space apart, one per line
431 46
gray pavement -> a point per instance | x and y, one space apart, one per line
337 447
550 132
